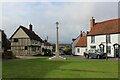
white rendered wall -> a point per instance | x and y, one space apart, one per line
20 34
101 39
81 50
119 38
73 45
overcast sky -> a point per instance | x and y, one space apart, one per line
72 17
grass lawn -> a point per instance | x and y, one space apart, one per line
71 68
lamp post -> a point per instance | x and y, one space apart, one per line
57 56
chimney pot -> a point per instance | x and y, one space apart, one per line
87 32
45 40
73 40
81 34
30 27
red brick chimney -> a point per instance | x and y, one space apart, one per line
92 22
30 27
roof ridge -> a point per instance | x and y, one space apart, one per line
82 42
107 21
105 27
31 34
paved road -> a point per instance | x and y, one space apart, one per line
71 56
83 58
66 56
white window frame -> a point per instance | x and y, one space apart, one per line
92 39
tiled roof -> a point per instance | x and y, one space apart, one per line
106 27
82 42
31 34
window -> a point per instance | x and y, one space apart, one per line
92 39
108 38
33 49
43 49
25 47
35 42
15 40
78 50
32 41
38 49
109 49
93 47
0 45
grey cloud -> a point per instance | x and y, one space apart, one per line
73 17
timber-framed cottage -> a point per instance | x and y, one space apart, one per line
25 41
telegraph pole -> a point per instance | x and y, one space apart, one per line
106 48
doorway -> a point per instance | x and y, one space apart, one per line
116 50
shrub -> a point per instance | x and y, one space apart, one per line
8 55
68 51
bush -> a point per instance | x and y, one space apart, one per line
8 55
68 51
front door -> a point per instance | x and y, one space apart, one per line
117 51
101 48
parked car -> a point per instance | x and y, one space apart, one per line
94 54
48 52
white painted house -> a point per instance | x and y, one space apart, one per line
79 45
74 43
105 36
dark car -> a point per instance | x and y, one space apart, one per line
94 54
48 52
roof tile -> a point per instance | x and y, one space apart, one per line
82 42
106 27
